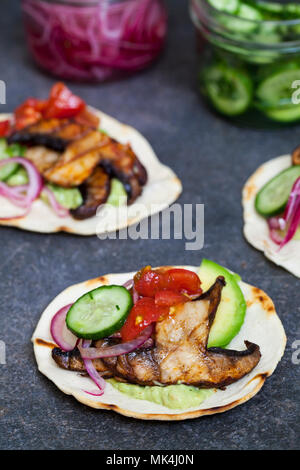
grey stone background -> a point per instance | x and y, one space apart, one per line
213 158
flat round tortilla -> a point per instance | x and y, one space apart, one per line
255 226
162 189
261 326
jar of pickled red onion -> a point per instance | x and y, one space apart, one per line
94 40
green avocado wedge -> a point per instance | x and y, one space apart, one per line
232 309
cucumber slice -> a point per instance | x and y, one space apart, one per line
232 308
273 196
277 88
18 178
270 7
99 313
284 114
293 9
14 150
250 13
229 89
228 6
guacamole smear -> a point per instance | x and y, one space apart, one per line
118 195
175 397
70 198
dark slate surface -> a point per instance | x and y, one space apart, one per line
213 159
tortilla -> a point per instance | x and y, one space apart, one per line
162 189
261 326
255 226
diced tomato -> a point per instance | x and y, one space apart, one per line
149 283
168 298
4 128
62 103
29 112
143 313
182 280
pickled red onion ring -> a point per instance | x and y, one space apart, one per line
59 330
58 208
33 189
118 349
91 370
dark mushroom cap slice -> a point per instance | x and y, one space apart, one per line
95 191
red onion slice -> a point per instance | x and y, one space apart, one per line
128 284
59 332
290 219
58 208
293 224
118 349
91 370
135 295
34 187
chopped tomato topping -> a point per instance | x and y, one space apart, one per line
60 104
160 290
29 113
143 313
168 298
182 280
4 128
150 283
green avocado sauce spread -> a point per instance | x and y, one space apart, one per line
175 397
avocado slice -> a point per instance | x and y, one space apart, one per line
232 309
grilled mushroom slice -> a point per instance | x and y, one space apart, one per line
42 157
54 134
120 161
95 191
79 160
43 133
180 353
72 360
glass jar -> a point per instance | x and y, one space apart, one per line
250 70
94 40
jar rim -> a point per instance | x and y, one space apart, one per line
76 3
208 20
246 21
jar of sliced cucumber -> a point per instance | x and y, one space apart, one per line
250 59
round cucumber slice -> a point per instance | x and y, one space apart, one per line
270 7
273 196
250 13
232 308
228 6
229 89
293 9
277 88
99 313
284 114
